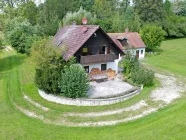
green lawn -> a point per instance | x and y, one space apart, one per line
16 79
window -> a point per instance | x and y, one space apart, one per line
85 51
102 50
103 67
141 51
86 69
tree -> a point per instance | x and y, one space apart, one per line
179 8
78 16
129 19
104 9
85 4
28 11
152 36
74 82
49 66
175 26
168 8
21 34
150 11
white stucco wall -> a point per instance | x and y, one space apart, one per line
94 66
141 56
112 65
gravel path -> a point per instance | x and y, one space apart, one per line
114 122
35 103
134 107
169 91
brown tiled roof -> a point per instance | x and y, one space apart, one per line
133 38
74 38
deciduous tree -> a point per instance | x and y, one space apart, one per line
152 36
150 11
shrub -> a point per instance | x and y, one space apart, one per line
152 36
142 76
129 63
74 82
135 72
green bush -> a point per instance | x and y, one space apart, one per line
129 63
142 76
47 79
74 82
135 72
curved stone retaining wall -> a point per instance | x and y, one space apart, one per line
86 102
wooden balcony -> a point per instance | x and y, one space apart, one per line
100 58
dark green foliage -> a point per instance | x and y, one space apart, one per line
142 76
49 66
168 8
150 11
47 79
28 11
129 63
152 36
135 72
21 34
74 82
128 19
175 26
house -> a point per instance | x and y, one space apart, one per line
130 41
90 45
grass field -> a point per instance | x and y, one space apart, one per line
17 78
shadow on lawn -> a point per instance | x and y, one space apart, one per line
10 62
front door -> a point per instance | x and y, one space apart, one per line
137 53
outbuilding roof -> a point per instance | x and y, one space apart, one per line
133 39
